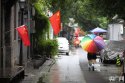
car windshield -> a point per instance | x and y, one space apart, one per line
62 40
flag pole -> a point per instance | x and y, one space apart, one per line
59 10
21 47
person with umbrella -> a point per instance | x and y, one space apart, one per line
92 44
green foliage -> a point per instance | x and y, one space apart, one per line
48 48
40 80
52 48
41 47
42 33
103 22
81 10
40 7
88 17
42 26
33 1
43 78
42 21
45 45
88 13
109 7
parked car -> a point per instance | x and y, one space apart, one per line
63 45
110 52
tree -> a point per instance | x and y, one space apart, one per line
85 12
43 45
109 8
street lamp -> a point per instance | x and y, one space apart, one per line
22 6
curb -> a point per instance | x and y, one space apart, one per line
33 75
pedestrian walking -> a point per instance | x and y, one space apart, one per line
92 44
91 60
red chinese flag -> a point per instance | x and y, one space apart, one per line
55 22
23 33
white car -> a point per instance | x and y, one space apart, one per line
63 45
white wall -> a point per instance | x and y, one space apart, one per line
51 32
115 32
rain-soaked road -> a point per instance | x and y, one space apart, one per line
74 69
67 70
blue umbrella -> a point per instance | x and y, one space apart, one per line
98 30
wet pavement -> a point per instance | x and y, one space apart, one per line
67 70
73 69
104 73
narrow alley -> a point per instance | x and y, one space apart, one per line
74 69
